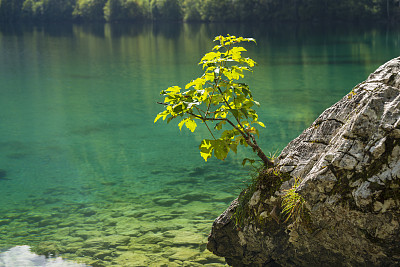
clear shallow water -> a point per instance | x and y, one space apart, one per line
85 172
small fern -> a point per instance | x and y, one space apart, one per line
292 203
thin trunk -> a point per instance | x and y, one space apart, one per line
253 143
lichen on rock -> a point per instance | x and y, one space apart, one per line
348 162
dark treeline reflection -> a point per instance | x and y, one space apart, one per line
198 10
299 32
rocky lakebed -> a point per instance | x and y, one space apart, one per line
168 227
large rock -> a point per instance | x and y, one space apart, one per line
348 162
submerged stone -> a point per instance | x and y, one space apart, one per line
3 174
184 255
187 238
5 221
166 202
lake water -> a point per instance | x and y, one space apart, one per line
87 175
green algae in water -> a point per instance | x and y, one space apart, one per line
91 178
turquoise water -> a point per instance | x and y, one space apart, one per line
85 173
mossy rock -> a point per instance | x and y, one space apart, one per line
267 182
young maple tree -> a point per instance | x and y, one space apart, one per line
218 98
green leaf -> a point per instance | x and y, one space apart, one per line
219 125
245 90
233 146
228 134
245 113
178 108
217 98
234 112
221 149
170 119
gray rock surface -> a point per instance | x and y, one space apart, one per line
348 162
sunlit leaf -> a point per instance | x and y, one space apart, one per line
236 53
210 56
250 62
174 89
197 84
160 115
191 124
181 124
205 149
216 47
260 123
209 76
